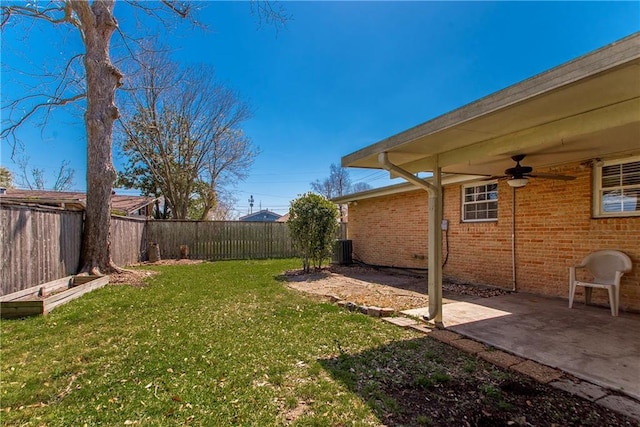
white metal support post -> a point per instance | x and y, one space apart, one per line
434 188
435 247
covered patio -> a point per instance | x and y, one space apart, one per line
584 111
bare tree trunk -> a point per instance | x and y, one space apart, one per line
102 81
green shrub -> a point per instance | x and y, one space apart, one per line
313 221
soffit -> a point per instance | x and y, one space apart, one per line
587 108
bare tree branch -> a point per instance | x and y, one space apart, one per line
9 131
64 179
179 7
99 81
182 134
270 12
54 14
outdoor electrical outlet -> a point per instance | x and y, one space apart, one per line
444 225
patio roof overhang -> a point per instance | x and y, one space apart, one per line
559 116
586 108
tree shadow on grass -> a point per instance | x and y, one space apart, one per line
424 382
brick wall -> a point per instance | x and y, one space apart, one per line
390 231
554 230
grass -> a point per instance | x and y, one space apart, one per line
210 344
227 343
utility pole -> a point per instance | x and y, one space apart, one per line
251 200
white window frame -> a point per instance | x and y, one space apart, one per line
598 191
465 202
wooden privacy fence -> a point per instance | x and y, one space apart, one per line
38 245
220 240
128 240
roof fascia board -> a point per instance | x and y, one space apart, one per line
605 58
405 187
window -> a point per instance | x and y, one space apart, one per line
617 188
480 202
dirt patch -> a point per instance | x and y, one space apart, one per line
173 262
138 278
397 289
423 382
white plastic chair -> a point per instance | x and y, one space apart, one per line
606 267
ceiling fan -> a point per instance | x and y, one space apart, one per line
518 176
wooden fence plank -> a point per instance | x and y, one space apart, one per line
37 245
222 240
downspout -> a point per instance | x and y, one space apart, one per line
513 240
434 230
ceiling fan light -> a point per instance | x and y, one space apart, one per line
517 182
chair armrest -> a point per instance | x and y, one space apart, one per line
572 274
619 274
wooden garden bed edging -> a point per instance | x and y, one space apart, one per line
41 299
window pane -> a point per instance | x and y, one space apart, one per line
610 176
620 188
612 201
631 173
480 202
631 200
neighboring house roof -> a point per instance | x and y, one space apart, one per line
283 218
76 201
263 215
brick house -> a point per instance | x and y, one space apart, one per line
579 121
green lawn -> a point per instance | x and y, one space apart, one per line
211 344
228 344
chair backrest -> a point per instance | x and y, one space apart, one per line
604 264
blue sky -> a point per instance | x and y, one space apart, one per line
339 77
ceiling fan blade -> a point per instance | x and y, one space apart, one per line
490 178
552 176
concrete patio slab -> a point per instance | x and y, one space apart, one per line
403 322
583 389
417 313
585 341
621 404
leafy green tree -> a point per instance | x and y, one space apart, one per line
313 221
6 178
